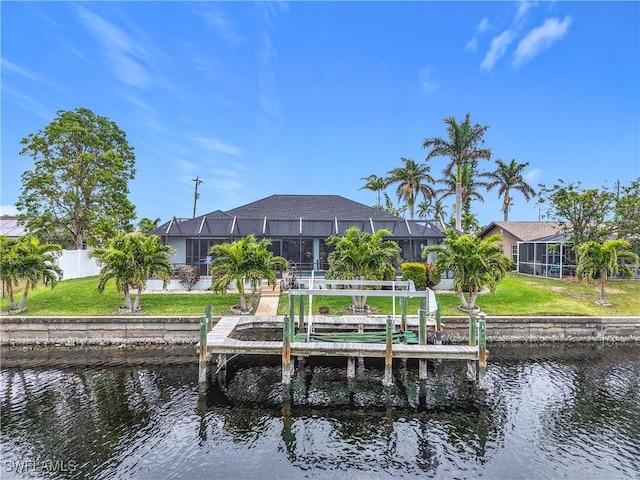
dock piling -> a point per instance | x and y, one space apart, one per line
473 341
422 338
203 379
482 353
286 351
388 355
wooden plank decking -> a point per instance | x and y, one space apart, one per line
218 342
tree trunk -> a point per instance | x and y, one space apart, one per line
127 298
473 296
23 301
12 302
505 206
243 302
603 281
463 301
459 205
136 301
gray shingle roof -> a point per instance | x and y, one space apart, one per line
313 207
525 231
280 215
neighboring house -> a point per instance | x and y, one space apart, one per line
514 232
297 225
9 227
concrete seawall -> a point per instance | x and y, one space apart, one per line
20 330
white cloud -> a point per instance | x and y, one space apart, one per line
215 145
215 19
497 49
483 26
427 83
124 52
540 38
523 7
533 175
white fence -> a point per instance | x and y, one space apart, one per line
77 264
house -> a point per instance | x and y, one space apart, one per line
10 227
298 227
514 232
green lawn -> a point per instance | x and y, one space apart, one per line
516 295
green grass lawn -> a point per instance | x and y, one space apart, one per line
516 295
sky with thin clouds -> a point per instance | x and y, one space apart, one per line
262 98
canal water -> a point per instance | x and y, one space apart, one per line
548 412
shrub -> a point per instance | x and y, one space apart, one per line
415 271
188 275
432 274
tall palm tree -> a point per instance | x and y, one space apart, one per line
27 259
375 184
476 263
130 259
245 261
412 179
463 146
604 259
470 184
361 256
508 177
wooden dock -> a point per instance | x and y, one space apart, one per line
220 344
339 334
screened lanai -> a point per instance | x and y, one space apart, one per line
297 226
550 256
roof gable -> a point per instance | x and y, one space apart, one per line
523 231
310 207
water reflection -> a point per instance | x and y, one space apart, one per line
548 412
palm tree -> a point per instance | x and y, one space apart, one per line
469 188
603 259
27 259
463 147
375 184
147 225
246 261
434 209
412 180
130 258
476 263
390 208
361 256
509 177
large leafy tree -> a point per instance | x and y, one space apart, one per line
246 262
77 191
627 214
612 257
463 146
508 177
584 214
375 184
362 256
130 259
412 179
30 261
476 263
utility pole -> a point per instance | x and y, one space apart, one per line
196 195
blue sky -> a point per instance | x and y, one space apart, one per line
310 97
